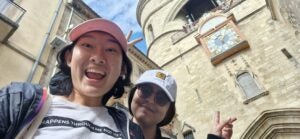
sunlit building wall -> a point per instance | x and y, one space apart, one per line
259 84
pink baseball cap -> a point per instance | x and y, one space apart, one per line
99 24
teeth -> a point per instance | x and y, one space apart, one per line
96 71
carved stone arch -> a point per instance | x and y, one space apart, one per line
208 18
275 124
239 72
180 4
175 10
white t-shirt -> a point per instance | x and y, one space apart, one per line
67 120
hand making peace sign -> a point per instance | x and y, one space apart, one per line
223 129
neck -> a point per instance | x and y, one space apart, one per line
149 131
84 100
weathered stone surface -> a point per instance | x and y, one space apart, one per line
217 84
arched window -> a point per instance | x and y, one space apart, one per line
248 85
188 134
151 33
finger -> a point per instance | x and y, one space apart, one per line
227 133
129 35
227 130
217 117
232 119
225 123
228 126
136 40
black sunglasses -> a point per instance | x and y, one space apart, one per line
146 90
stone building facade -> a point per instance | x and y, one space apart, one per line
32 32
260 85
25 27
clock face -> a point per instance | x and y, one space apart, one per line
222 40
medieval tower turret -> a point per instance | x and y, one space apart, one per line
239 57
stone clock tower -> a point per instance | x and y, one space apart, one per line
240 57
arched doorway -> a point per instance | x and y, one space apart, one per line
275 124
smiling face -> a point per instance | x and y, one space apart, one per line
96 64
145 110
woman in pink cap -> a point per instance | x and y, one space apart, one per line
152 104
92 69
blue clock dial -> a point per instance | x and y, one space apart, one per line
222 40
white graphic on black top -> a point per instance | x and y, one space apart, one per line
62 121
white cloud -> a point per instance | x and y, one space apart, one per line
122 12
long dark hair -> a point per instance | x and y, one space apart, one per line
61 82
169 115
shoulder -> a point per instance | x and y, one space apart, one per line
158 134
17 100
20 94
118 115
21 87
135 131
211 136
115 111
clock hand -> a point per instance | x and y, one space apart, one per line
223 35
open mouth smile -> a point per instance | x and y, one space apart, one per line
95 74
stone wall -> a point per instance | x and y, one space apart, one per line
18 54
204 88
